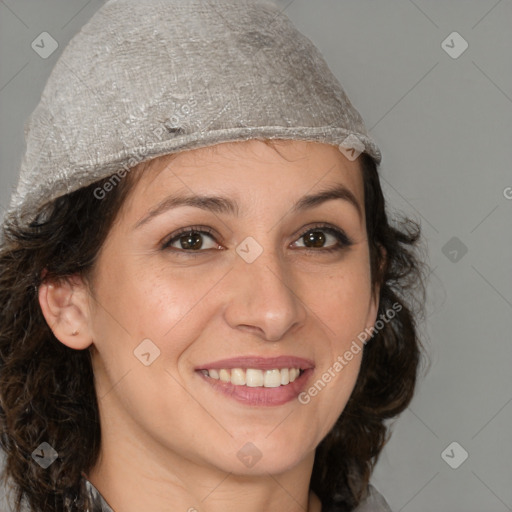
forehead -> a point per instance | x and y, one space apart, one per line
256 160
276 171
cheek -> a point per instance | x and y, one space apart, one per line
341 304
149 301
341 300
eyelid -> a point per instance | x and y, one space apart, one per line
165 244
343 239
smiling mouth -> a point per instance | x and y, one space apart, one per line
254 377
258 381
255 387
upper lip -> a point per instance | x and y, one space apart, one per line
261 363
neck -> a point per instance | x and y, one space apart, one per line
134 476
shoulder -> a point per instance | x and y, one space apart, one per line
374 502
90 499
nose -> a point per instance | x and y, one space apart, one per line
262 298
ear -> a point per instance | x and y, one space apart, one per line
65 306
375 295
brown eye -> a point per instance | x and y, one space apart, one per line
193 241
190 240
314 239
317 238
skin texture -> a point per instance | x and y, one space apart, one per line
170 441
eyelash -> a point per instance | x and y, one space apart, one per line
343 240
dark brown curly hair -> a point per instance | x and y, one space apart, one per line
47 391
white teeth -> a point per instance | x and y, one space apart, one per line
255 378
272 379
224 376
237 377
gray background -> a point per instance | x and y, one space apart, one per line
444 125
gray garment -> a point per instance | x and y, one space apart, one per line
89 499
93 501
375 502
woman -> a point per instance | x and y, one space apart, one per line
205 305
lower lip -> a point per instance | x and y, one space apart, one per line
261 396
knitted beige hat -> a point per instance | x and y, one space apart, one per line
148 78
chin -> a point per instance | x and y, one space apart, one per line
262 457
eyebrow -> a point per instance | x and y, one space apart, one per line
222 205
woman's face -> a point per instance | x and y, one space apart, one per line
264 282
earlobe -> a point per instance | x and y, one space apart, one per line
384 261
375 295
64 304
374 309
382 272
